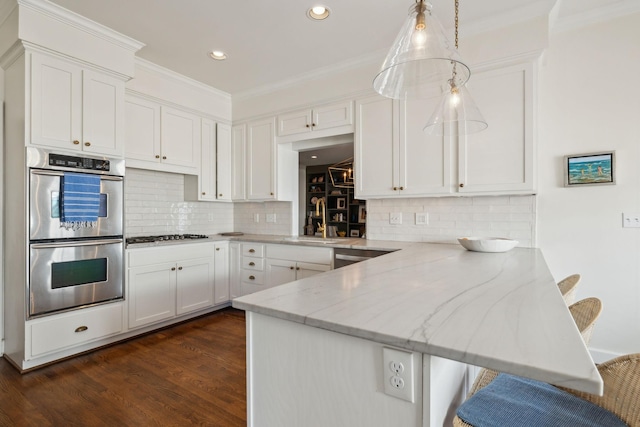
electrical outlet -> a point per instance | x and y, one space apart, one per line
397 373
271 217
631 220
422 218
395 218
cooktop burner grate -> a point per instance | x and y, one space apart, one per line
164 237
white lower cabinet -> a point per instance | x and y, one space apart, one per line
221 273
59 332
164 282
286 263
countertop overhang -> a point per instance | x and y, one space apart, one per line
497 310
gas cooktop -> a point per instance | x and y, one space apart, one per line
164 237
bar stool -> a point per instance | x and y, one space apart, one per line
568 288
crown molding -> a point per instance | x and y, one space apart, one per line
6 8
184 80
593 16
53 11
367 59
14 52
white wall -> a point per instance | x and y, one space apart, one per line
589 101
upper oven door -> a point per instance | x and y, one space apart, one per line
44 215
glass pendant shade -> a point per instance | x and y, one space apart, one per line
456 113
420 58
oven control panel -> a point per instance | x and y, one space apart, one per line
86 163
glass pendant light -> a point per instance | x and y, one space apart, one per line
421 56
456 112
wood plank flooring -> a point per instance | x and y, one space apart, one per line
189 374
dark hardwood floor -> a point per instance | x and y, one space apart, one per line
189 374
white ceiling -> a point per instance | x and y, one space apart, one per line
272 41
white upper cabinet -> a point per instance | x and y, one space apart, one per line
206 181
73 108
395 158
162 138
261 160
224 159
326 120
500 159
238 162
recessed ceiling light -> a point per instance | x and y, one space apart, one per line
314 157
318 13
218 55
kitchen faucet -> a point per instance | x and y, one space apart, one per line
322 227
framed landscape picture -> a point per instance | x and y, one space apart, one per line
590 169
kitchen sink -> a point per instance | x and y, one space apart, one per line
319 240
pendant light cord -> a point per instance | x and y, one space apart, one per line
452 83
456 22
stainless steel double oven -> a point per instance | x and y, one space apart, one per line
73 267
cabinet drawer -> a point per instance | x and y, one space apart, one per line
67 330
253 249
170 253
250 263
255 277
301 253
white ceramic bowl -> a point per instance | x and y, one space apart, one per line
487 244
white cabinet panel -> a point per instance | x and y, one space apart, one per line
180 137
238 162
261 160
152 293
142 130
325 120
224 159
194 285
102 113
221 275
206 181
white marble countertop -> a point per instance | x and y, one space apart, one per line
498 310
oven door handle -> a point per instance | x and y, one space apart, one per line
67 244
59 173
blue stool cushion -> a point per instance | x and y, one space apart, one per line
509 400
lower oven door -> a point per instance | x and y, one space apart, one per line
70 274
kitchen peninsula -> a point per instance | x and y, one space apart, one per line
315 346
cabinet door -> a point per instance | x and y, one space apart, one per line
194 285
238 162
56 103
208 162
306 269
279 272
152 294
500 158
294 123
376 147
224 162
180 138
425 160
235 289
221 273
332 115
102 114
261 161
142 130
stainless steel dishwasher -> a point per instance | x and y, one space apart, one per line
343 256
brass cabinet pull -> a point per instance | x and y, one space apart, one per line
164 157
252 278
157 156
313 124
76 142
220 195
217 249
461 185
297 268
272 193
173 269
395 188
81 328
252 263
204 194
307 125
401 188
291 268
179 268
87 144
252 250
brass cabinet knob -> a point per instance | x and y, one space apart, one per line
307 125
252 278
271 193
297 268
76 142
87 144
252 250
220 195
395 188
217 249
204 194
179 268
401 188
164 157
313 124
173 269
81 328
291 268
461 185
252 263
157 156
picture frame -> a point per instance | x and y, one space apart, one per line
341 203
362 213
588 169
354 233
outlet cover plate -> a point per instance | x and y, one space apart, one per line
398 373
422 218
395 218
